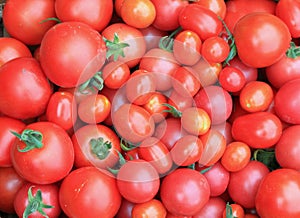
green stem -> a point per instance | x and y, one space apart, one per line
115 47
122 161
51 19
267 157
229 213
294 51
127 146
32 139
172 110
100 148
96 82
167 42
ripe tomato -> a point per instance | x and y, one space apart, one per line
16 14
192 192
115 74
258 129
215 49
152 208
32 198
266 36
278 194
232 79
217 6
155 106
179 101
20 76
95 13
214 208
81 187
43 153
138 181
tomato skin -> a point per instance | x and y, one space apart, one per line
258 129
48 164
17 24
155 106
179 101
287 101
125 209
81 187
278 194
152 36
15 82
214 208
95 13
265 48
152 208
192 192
217 6
215 49
201 20
232 79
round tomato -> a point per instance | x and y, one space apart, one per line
232 79
215 49
214 208
217 6
25 90
152 208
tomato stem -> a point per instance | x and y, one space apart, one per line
100 148
115 47
35 204
294 51
32 139
167 42
127 146
122 161
228 209
173 110
96 82
51 19
267 157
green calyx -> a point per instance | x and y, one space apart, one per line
115 47
229 213
96 82
32 139
100 148
35 204
172 110
166 43
294 51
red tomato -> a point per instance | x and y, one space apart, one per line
10 183
33 197
96 13
7 139
95 145
215 49
115 74
81 187
192 192
152 208
214 208
43 153
287 101
179 101
24 20
11 48
232 79
20 76
225 130
243 185
138 181
258 129
217 6
152 36
266 36
201 20
278 194
61 57
155 106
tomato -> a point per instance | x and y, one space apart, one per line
155 152
214 208
179 101
258 129
278 194
214 145
225 130
133 123
167 14
125 209
43 153
152 36
163 64
217 6
138 13
232 79
187 150
211 99
215 49
187 47
155 106
62 110
10 183
19 76
31 198
195 121
152 208
235 210
7 125
192 191
266 36
288 11
81 187
286 102
138 181
201 20
243 185
236 156
61 57
11 48
133 37
95 13
95 145
286 149
29 29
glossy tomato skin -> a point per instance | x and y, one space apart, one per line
19 76
17 24
152 208
155 106
95 13
61 53
287 101
217 6
268 39
278 194
81 187
192 192
215 49
258 130
214 208
48 164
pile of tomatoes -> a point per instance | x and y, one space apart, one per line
150 108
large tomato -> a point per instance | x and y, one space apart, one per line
61 53
24 90
265 35
279 194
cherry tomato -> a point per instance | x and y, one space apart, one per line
115 74
215 49
214 208
152 208
179 101
217 6
235 210
155 106
152 36
232 79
